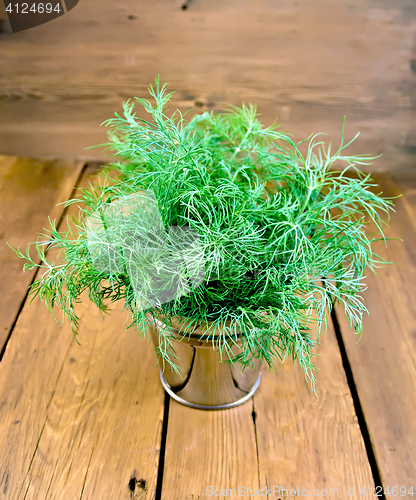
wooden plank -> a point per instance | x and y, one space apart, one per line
78 421
309 63
306 441
295 440
29 192
383 362
209 449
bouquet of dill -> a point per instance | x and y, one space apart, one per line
281 235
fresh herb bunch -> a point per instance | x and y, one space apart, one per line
283 233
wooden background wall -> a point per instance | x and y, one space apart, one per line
307 62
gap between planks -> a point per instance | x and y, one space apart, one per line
357 405
383 362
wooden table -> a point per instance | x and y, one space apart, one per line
91 421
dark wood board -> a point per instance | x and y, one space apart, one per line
309 63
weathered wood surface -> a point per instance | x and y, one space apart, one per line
203 449
384 361
78 422
86 421
29 192
296 440
309 63
309 442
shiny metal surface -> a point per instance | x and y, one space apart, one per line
206 381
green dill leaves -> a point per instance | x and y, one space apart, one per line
282 230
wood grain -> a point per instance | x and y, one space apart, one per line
383 362
78 421
209 449
309 63
296 440
29 192
306 441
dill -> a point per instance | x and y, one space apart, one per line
283 232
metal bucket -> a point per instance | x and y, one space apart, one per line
206 381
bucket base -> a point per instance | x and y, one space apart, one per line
169 390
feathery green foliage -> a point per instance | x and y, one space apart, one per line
283 233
